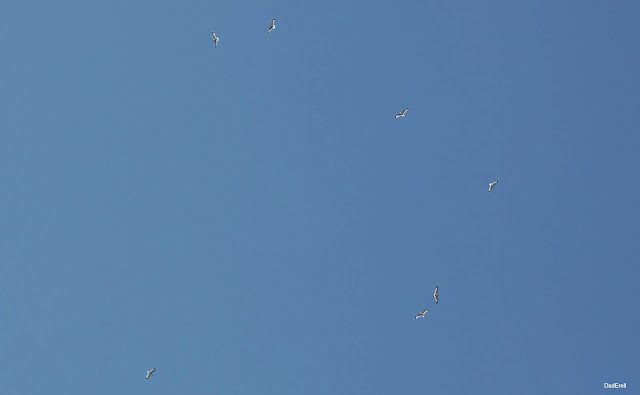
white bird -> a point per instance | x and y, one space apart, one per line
215 39
492 184
435 294
273 26
422 313
401 113
149 373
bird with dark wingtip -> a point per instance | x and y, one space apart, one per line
402 113
492 184
422 313
273 26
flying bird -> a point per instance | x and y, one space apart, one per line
149 373
492 184
215 39
401 113
435 294
422 313
273 26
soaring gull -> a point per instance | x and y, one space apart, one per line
492 184
422 313
401 113
273 26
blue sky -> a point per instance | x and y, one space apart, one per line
251 219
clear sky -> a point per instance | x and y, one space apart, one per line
251 219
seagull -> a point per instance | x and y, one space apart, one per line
492 184
401 113
215 39
273 26
422 313
149 373
435 294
